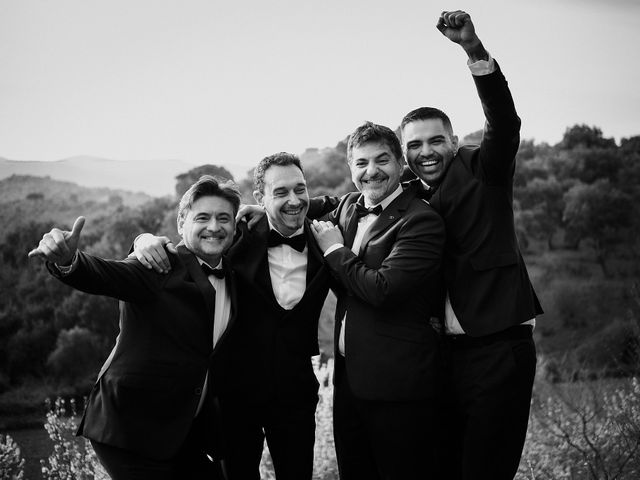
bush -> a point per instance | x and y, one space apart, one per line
615 351
72 345
584 430
72 458
11 461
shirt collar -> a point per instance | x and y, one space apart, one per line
385 203
219 265
297 232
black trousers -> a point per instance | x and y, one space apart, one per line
491 380
289 430
383 440
190 463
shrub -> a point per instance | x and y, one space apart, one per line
72 458
615 350
584 430
73 344
11 461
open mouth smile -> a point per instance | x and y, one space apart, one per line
374 182
293 211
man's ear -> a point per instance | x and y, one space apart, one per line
259 197
454 142
180 224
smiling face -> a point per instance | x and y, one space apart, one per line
428 147
284 197
207 227
375 171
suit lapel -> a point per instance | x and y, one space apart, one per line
254 259
201 281
314 255
387 217
254 255
350 226
233 298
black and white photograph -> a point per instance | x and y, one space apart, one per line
342 240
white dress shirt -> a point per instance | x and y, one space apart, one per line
288 271
221 315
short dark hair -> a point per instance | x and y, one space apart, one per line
427 113
208 185
281 159
369 132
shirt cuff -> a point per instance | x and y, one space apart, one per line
65 270
482 67
333 248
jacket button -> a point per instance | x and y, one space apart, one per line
198 391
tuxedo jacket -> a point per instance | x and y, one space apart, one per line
147 392
390 291
485 274
270 347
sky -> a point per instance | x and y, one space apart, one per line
229 82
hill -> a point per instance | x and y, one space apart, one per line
153 177
25 199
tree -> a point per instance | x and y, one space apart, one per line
97 313
527 170
630 145
598 212
543 205
587 164
72 345
327 172
474 138
585 137
185 180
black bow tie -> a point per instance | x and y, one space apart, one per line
297 241
425 191
363 211
216 272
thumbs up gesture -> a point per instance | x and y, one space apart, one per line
59 246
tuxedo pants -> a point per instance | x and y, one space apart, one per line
190 463
289 431
383 440
491 380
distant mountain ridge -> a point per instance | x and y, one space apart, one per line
21 188
26 199
153 177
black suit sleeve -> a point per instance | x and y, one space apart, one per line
501 136
416 253
126 280
321 206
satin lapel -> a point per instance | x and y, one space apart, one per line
254 264
201 281
233 298
314 255
436 198
350 227
387 217
254 255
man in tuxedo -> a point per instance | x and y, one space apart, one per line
384 245
272 391
490 305
151 413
